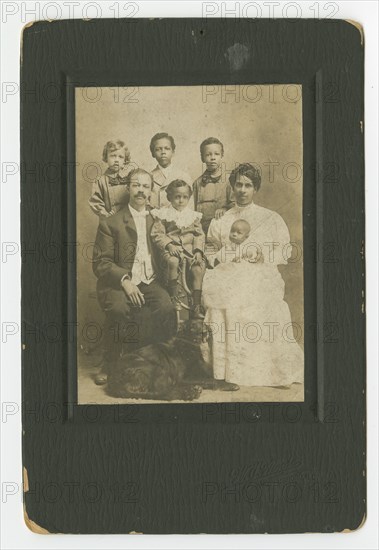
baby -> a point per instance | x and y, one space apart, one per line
238 267
177 233
110 192
241 249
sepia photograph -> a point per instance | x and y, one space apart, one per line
189 230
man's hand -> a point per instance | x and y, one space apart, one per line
174 250
197 258
219 213
133 293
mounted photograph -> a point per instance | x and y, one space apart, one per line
189 244
193 276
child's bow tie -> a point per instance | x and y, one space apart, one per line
207 178
116 179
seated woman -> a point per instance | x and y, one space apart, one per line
253 342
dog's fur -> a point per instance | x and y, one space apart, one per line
154 372
172 370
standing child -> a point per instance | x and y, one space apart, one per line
110 192
213 195
177 233
162 147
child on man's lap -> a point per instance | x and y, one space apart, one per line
177 233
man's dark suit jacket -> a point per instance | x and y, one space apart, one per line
115 248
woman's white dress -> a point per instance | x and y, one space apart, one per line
253 341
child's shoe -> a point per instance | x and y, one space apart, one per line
197 312
176 303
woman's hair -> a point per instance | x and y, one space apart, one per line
111 146
210 141
162 135
171 188
249 171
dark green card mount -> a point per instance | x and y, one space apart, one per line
250 468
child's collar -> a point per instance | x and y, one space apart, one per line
182 218
211 177
113 173
164 170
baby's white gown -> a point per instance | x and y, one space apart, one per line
253 341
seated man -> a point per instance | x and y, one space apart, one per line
138 309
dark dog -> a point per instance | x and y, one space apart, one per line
172 370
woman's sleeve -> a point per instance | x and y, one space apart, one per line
282 236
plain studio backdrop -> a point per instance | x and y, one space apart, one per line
257 124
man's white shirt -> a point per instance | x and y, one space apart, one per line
142 271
